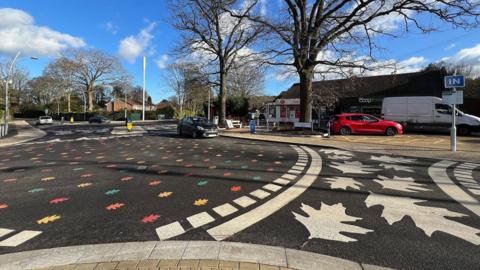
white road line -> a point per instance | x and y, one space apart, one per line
438 173
281 181
272 187
289 176
474 191
200 219
4 232
225 209
19 238
244 201
260 194
246 220
170 230
301 164
294 172
300 168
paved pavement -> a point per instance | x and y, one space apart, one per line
393 211
20 132
416 145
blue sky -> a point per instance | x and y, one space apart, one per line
104 24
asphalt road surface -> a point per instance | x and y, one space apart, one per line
391 211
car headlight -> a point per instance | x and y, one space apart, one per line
200 128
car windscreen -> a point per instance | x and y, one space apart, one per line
45 117
200 121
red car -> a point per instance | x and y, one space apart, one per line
359 123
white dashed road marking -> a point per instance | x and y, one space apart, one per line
200 219
246 220
260 194
225 209
170 230
244 201
438 173
19 238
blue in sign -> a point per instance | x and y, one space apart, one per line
456 81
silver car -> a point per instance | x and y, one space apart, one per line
45 120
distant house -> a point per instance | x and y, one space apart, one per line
118 105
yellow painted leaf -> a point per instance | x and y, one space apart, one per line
200 202
48 178
82 185
48 219
165 194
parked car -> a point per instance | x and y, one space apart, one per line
98 119
359 123
196 127
45 120
427 113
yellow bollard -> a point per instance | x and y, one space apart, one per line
71 120
129 126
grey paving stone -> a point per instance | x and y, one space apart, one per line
307 260
202 250
252 253
134 251
169 250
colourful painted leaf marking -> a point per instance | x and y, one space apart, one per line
202 183
257 178
3 205
127 178
254 161
150 218
179 160
164 158
235 188
227 174
48 178
112 192
73 163
270 169
86 175
59 200
130 158
244 167
188 165
212 167
206 160
48 219
84 185
188 174
36 190
162 171
46 170
78 169
10 180
111 166
278 162
218 155
114 206
260 155
228 161
154 183
165 194
200 202
100 157
141 162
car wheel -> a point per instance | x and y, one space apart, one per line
391 131
194 135
463 130
345 131
179 131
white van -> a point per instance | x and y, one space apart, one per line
427 112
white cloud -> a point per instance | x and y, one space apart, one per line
469 57
450 46
110 27
19 33
133 46
161 62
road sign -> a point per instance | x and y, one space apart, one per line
449 97
456 81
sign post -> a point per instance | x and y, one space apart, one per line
453 98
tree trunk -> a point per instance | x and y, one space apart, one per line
306 77
222 99
90 97
68 103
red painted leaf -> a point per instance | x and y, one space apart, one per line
3 205
154 183
114 206
10 180
127 178
59 200
227 174
150 218
236 188
86 175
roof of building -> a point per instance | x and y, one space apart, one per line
365 86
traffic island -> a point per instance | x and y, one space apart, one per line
123 130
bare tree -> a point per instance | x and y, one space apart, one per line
219 33
93 67
62 71
320 35
247 81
